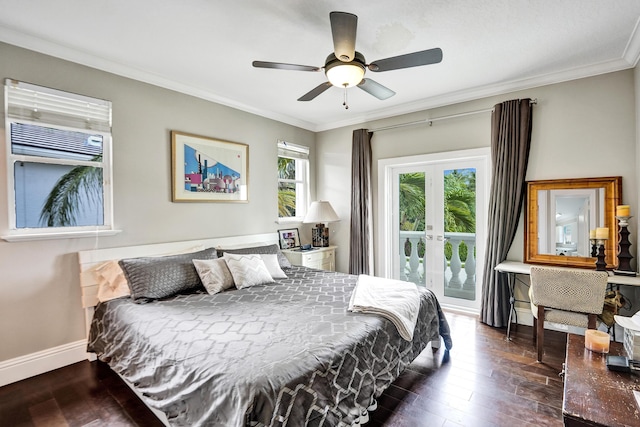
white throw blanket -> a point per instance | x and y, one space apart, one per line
395 300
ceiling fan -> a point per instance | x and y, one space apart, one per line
345 67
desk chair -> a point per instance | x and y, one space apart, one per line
567 296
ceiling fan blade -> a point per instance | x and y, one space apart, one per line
315 92
415 59
283 66
343 29
376 89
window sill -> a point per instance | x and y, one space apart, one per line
60 235
289 220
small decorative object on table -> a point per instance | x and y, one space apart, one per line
624 256
597 341
602 234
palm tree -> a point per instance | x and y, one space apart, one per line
72 189
286 203
412 201
460 201
286 195
459 205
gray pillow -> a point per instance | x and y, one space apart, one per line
260 250
159 277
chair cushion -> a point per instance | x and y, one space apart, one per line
568 318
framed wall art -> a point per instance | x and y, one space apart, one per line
206 169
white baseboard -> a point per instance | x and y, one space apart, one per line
23 367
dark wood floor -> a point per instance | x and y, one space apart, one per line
483 381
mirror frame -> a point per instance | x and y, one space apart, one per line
612 198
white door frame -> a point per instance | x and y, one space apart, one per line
387 245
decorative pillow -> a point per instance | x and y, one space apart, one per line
247 270
214 274
111 281
110 277
261 250
160 277
271 262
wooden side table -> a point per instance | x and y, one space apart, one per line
595 395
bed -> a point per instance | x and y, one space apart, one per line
283 353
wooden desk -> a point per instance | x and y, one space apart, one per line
594 395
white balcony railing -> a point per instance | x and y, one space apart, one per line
459 275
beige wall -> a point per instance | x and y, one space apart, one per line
39 288
581 128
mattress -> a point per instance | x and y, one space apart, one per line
288 353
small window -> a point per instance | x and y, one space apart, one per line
293 181
58 161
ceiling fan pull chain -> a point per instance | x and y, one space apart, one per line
344 102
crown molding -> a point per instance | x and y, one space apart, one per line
632 50
66 53
629 59
480 92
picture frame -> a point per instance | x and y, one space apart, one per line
205 169
289 238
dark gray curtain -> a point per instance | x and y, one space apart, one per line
510 142
361 245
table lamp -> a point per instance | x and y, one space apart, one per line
319 213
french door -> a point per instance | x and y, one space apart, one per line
434 210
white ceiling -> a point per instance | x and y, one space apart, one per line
205 47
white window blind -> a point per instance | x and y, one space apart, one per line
292 151
50 106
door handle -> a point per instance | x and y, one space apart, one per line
429 236
440 238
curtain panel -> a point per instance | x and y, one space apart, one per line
361 242
510 143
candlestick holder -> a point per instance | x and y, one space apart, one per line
594 248
601 265
624 256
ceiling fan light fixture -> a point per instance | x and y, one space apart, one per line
345 75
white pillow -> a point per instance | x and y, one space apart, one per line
214 274
272 264
247 270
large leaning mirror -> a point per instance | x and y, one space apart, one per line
559 215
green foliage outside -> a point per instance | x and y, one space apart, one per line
64 200
286 192
459 206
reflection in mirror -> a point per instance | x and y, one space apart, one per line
561 212
570 214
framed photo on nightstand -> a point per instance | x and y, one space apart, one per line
289 238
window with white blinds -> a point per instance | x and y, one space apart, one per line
293 181
58 162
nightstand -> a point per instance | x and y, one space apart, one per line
320 258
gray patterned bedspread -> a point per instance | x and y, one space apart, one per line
282 354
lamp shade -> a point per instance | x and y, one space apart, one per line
320 212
